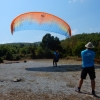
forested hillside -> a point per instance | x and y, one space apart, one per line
75 44
70 47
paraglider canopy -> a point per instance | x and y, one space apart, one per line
40 21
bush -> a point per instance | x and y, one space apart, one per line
9 56
1 61
16 57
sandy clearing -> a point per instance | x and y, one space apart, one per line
39 77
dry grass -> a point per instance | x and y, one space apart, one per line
28 95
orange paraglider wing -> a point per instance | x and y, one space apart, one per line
40 21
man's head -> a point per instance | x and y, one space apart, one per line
89 45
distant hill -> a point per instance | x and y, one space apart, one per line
24 43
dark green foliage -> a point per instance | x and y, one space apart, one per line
78 48
9 56
70 47
50 42
3 50
16 57
97 50
74 45
1 60
39 53
48 53
33 54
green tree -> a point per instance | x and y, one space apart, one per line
9 56
1 60
78 48
3 50
39 53
50 42
47 53
23 50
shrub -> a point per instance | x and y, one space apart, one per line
1 61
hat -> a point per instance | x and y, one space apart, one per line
89 45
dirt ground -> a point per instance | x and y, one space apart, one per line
40 80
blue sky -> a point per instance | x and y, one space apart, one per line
83 16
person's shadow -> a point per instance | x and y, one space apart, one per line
60 68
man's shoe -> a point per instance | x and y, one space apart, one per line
93 92
77 90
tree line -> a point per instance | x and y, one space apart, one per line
70 47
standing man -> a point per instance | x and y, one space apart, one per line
88 56
56 58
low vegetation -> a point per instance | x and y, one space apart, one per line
68 48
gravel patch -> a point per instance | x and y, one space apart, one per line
40 77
